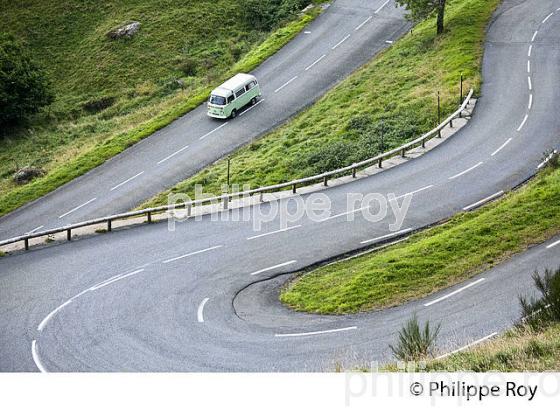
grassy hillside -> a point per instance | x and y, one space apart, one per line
519 350
437 258
111 93
396 92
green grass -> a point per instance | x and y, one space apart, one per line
437 258
139 75
519 350
399 87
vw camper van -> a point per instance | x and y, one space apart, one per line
229 98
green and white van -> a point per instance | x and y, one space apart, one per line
229 98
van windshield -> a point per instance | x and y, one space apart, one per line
217 100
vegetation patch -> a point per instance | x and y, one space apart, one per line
437 258
109 93
389 101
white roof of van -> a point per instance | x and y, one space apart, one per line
233 84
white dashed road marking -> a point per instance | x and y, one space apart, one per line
214 130
501 147
387 236
199 313
340 42
467 346
172 155
76 208
319 332
127 181
466 170
315 62
285 84
552 245
191 254
523 122
381 7
455 292
36 358
274 232
362 23
273 267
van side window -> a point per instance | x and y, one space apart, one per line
240 93
230 99
252 84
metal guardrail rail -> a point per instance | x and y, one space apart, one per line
324 177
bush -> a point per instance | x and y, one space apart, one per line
540 311
24 88
413 343
266 14
332 156
188 66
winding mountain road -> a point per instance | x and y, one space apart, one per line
204 297
347 35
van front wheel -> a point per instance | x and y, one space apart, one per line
233 113
253 100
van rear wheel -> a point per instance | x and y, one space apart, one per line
233 113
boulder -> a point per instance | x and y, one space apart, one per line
26 174
128 30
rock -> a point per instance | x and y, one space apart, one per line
26 174
128 30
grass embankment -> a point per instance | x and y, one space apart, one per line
434 259
519 350
112 93
398 88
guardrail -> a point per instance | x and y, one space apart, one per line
225 199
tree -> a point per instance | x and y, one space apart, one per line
420 9
24 88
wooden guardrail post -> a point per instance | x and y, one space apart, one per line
149 216
26 242
354 172
380 162
69 234
109 225
325 181
293 188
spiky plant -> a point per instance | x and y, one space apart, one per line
413 342
546 308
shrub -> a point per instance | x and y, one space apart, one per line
266 14
413 343
24 88
188 66
546 308
332 156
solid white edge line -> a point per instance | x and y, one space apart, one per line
433 302
172 155
214 130
466 170
128 180
362 24
482 201
529 83
251 107
501 147
114 279
552 245
315 62
530 101
35 230
273 232
534 35
523 122
387 236
340 42
491 335
530 50
285 84
36 358
76 208
381 7
273 267
318 332
542 164
547 17
199 313
192 253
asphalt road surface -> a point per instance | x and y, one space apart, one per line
347 35
198 299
